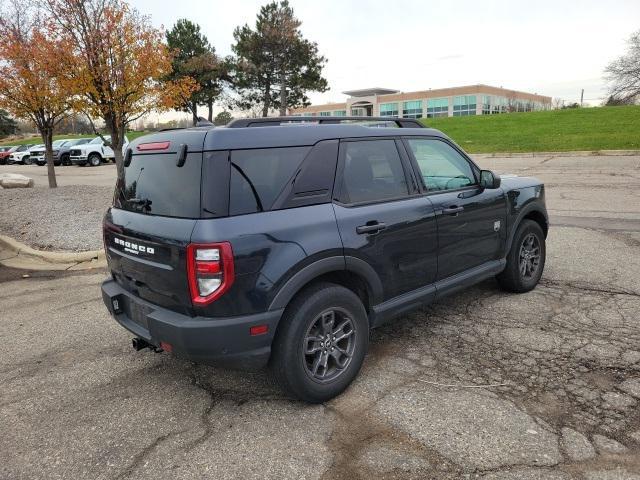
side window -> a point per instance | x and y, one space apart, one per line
441 166
372 171
258 176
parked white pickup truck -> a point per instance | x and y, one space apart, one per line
95 152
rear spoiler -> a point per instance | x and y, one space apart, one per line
280 121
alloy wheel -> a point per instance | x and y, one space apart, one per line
329 345
529 257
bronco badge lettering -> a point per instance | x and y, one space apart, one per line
134 247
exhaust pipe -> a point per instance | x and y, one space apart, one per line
140 343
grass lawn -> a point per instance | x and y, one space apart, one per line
601 128
38 140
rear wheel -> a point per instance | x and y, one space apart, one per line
94 160
321 343
525 260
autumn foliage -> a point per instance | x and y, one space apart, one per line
120 64
34 80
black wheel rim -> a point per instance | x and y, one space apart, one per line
329 345
529 258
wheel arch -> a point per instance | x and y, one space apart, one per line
350 272
533 212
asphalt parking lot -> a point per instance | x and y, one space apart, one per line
485 384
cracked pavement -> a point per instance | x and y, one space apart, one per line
78 402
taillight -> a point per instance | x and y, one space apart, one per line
210 271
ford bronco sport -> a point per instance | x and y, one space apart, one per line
271 243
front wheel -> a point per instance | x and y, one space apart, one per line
321 343
26 160
525 260
65 160
94 160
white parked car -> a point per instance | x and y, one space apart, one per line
95 152
20 155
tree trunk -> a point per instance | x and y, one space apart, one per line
47 138
210 106
117 131
267 100
194 113
283 94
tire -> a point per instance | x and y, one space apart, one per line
94 160
65 160
309 377
525 260
26 160
10 162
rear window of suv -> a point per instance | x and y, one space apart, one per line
154 185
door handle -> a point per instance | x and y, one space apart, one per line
370 227
453 210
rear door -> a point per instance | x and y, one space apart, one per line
156 207
381 219
471 220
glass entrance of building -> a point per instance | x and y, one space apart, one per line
362 109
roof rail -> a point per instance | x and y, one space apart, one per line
279 121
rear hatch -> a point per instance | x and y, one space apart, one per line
156 206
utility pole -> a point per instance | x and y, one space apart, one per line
581 97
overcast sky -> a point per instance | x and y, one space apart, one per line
552 47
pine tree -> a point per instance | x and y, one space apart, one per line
274 65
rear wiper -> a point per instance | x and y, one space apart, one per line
139 201
144 203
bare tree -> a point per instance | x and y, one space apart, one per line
557 103
623 74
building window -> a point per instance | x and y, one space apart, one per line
464 105
388 109
340 113
412 109
487 101
437 107
358 112
325 114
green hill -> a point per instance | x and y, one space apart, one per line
601 128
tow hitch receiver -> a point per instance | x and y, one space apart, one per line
140 344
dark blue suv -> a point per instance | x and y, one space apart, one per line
269 242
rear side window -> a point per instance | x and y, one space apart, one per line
372 171
154 185
258 176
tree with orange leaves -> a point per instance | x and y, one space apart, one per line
33 84
121 62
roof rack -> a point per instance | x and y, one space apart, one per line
279 121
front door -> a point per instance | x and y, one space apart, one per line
381 218
470 219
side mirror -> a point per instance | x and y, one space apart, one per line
488 179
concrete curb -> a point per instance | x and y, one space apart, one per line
20 249
586 153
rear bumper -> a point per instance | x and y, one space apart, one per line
215 341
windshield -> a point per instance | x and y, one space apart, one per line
98 140
58 143
77 141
